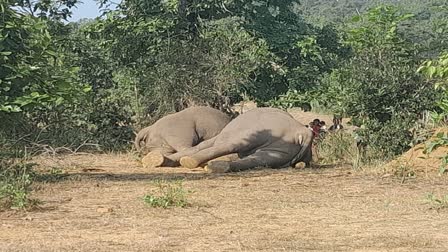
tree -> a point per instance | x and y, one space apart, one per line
53 9
437 72
378 86
32 71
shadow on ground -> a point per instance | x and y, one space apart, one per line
172 174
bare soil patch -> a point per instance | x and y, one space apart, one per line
416 160
98 206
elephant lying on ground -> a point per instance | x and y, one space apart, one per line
261 137
180 131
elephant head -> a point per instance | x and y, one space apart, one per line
305 154
142 138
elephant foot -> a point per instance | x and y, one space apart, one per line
189 162
153 159
218 167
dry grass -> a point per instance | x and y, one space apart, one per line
98 206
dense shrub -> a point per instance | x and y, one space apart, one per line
378 86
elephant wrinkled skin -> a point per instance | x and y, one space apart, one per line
177 132
261 137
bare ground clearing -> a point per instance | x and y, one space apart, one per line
98 207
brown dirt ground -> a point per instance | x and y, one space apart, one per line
98 206
418 161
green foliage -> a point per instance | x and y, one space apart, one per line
437 71
174 72
54 9
388 138
378 86
441 140
15 185
39 86
32 71
292 98
168 194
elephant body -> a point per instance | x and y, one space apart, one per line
261 137
181 130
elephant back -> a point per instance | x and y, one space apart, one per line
209 122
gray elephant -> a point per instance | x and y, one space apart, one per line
261 137
179 131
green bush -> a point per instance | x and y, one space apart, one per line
15 185
390 138
33 73
378 86
168 194
437 72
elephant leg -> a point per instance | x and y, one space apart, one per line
182 143
178 145
261 158
200 157
171 159
156 158
192 150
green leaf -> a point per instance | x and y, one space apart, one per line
430 146
407 16
356 18
10 108
87 89
59 101
34 94
431 71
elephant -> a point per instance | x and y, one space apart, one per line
180 131
261 137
